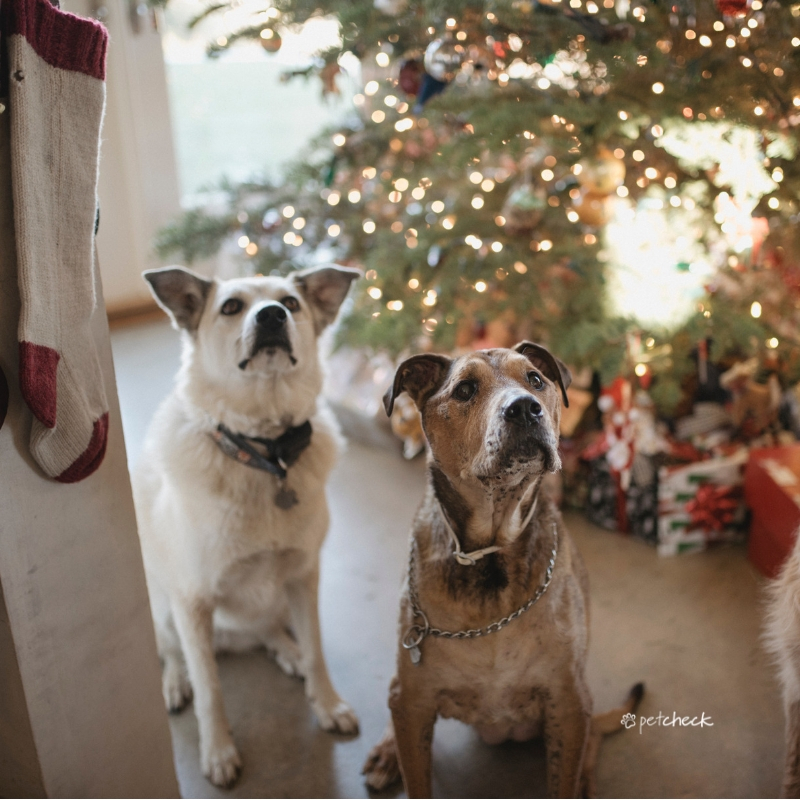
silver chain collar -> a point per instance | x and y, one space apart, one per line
415 635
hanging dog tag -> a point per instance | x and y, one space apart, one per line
416 654
285 497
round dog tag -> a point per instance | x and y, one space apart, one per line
286 498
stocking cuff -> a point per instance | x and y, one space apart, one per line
63 40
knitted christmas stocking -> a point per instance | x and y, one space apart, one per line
56 100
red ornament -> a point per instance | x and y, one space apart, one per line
732 8
410 77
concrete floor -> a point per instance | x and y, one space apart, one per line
687 626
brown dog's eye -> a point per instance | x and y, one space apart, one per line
535 380
232 306
291 304
465 390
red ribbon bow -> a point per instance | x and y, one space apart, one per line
713 507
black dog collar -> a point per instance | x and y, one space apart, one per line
280 454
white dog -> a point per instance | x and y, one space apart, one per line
230 490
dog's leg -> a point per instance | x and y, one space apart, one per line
218 757
175 685
381 769
791 773
413 728
287 654
568 719
331 711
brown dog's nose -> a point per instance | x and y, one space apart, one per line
271 317
525 410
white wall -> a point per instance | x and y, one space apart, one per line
138 178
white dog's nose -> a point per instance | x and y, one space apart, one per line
271 317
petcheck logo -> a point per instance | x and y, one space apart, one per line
665 721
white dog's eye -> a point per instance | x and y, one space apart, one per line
291 303
231 306
535 380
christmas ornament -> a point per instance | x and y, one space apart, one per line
328 75
603 173
523 208
443 59
732 8
592 208
270 40
410 77
430 88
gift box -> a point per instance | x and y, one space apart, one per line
701 504
772 491
603 495
641 505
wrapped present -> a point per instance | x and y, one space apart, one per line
678 485
701 504
603 495
772 491
641 499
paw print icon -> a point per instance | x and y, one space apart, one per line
628 720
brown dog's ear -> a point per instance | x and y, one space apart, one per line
325 288
181 293
420 376
548 364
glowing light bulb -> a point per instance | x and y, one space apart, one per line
374 292
368 226
755 310
480 286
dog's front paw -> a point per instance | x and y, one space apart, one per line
337 717
221 764
381 769
176 688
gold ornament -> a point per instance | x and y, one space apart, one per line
593 209
603 173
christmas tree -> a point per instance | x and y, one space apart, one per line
617 181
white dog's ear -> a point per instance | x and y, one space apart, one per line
420 376
548 364
325 288
181 293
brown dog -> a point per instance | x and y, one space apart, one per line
491 562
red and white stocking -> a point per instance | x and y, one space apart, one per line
56 101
